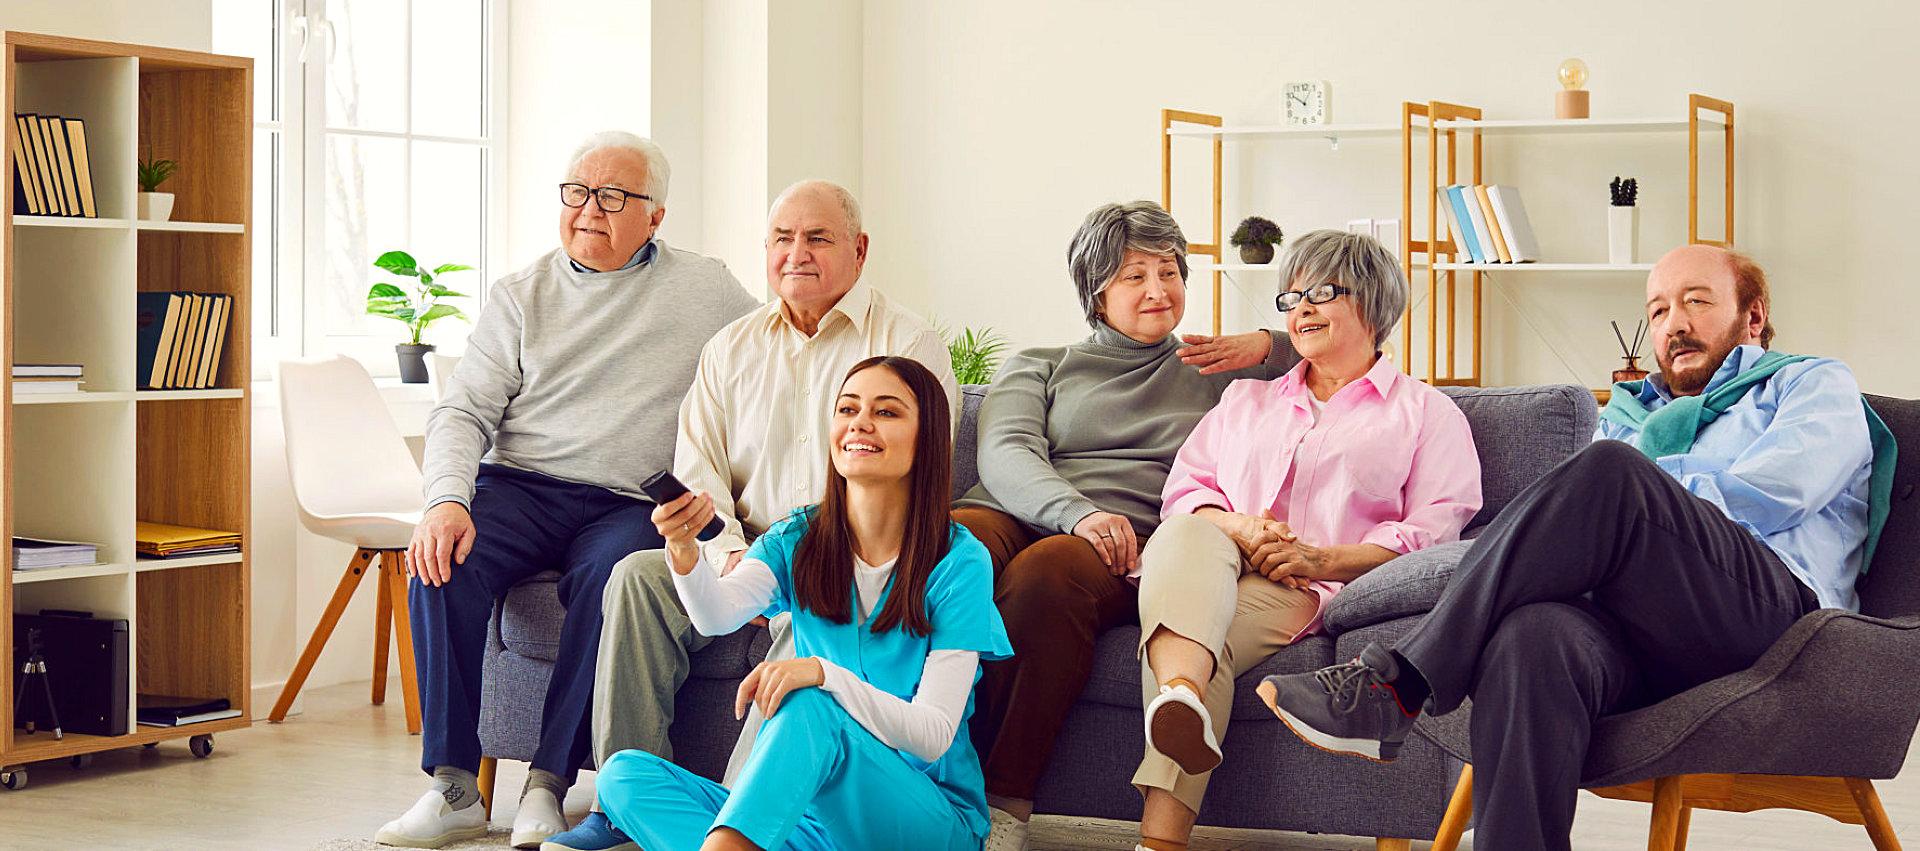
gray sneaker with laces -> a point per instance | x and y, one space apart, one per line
1347 708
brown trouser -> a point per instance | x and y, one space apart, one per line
1056 597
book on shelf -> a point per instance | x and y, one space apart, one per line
1468 239
1493 226
28 386
48 370
159 710
63 162
26 183
162 540
179 339
1511 213
82 170
38 553
1482 237
43 165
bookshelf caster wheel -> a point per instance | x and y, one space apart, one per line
201 745
150 745
80 760
14 778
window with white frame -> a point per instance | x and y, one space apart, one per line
378 127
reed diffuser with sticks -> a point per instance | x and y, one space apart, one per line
1632 372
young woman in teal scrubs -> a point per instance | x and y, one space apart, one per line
865 744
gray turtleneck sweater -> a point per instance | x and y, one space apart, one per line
1094 426
579 375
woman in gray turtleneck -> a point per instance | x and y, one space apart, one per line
1075 444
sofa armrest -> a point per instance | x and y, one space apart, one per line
1405 586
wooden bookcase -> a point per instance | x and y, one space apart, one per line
84 466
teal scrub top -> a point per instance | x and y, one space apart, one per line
960 608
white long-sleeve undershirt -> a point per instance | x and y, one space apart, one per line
924 727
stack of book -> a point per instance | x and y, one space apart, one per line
157 710
52 176
1489 224
180 338
160 540
46 378
36 553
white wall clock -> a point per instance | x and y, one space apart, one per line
1308 101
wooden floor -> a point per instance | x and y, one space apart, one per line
327 779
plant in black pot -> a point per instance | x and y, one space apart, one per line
416 305
1256 238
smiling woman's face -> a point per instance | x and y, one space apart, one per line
1147 298
1330 330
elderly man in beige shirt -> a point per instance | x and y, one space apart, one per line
753 433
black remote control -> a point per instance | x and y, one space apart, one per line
663 487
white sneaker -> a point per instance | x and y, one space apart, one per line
1179 727
431 823
1006 833
539 818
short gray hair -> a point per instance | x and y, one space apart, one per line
1357 262
848 204
658 172
1100 247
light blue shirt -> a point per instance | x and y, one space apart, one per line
960 610
643 255
1789 462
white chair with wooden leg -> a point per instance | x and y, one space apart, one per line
354 480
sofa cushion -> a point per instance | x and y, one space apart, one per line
1521 433
966 439
1407 585
529 617
1116 671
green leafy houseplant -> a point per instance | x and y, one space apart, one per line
418 305
1256 237
975 354
1255 230
152 173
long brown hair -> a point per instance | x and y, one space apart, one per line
823 563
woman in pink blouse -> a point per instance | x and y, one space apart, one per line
1287 490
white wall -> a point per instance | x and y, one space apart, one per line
993 126
183 24
572 70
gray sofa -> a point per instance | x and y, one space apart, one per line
1270 779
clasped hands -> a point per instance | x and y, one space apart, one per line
1270 548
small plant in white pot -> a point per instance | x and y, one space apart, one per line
1623 222
416 306
154 205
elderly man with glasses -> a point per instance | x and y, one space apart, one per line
566 400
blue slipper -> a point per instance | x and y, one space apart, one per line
594 833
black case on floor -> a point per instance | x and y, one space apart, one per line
87 664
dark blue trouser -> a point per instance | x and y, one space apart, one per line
1603 587
524 523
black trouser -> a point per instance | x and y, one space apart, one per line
1603 587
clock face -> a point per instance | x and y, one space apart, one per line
1306 102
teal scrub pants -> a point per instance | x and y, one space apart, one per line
817 781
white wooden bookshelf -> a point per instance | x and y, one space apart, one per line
85 466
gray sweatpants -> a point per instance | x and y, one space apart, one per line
645 641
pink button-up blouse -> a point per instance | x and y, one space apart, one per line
1390 461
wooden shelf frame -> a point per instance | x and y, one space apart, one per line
1211 248
1439 252
85 465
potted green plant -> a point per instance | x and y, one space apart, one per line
416 306
1256 238
975 354
154 205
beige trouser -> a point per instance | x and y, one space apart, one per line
1191 584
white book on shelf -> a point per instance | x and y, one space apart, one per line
1462 253
29 386
48 370
37 553
1512 213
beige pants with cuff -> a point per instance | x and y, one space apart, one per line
1191 584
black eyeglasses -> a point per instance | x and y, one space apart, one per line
1315 295
611 200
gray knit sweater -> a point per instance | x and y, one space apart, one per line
579 376
1094 426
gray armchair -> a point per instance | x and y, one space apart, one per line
1830 708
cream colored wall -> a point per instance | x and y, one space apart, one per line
185 24
993 126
